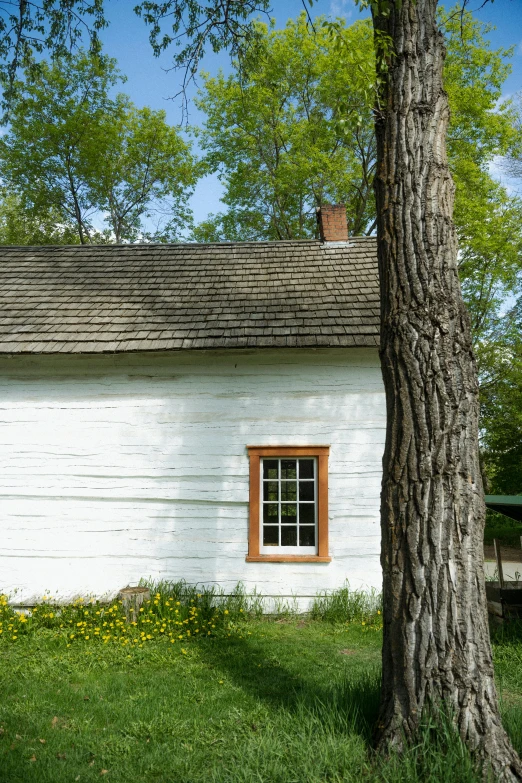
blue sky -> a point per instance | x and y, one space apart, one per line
149 82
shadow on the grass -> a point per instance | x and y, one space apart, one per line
351 703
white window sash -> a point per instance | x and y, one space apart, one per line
278 549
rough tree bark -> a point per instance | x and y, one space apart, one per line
436 641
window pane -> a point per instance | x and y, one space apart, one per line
289 490
270 515
288 468
306 513
307 535
270 535
288 536
306 490
270 490
306 468
288 514
270 468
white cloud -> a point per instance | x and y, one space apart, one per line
341 8
497 169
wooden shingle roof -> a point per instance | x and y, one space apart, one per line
105 298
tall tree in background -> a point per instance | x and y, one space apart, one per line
74 149
19 227
28 28
273 132
53 150
501 420
436 638
148 172
501 394
487 217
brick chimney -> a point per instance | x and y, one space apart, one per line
333 225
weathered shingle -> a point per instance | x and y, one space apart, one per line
95 299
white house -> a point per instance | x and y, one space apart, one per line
208 412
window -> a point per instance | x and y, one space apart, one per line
288 504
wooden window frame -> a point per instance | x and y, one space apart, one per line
255 454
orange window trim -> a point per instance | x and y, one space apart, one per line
321 453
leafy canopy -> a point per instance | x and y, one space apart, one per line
51 153
29 28
75 150
18 227
288 132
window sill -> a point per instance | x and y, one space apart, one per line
287 559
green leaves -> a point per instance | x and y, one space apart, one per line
51 154
29 28
85 156
193 26
20 227
483 129
487 217
148 172
289 131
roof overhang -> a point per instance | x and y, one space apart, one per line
509 505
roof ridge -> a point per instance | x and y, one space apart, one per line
192 245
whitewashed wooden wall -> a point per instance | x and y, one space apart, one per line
114 468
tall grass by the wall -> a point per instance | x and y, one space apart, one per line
346 605
337 606
239 604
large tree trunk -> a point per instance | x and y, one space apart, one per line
436 641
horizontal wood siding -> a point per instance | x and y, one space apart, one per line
116 468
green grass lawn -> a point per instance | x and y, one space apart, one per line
277 701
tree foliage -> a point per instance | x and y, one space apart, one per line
74 149
30 28
148 172
51 154
502 414
489 225
192 26
288 132
487 217
293 126
18 227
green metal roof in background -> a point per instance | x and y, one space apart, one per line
509 505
